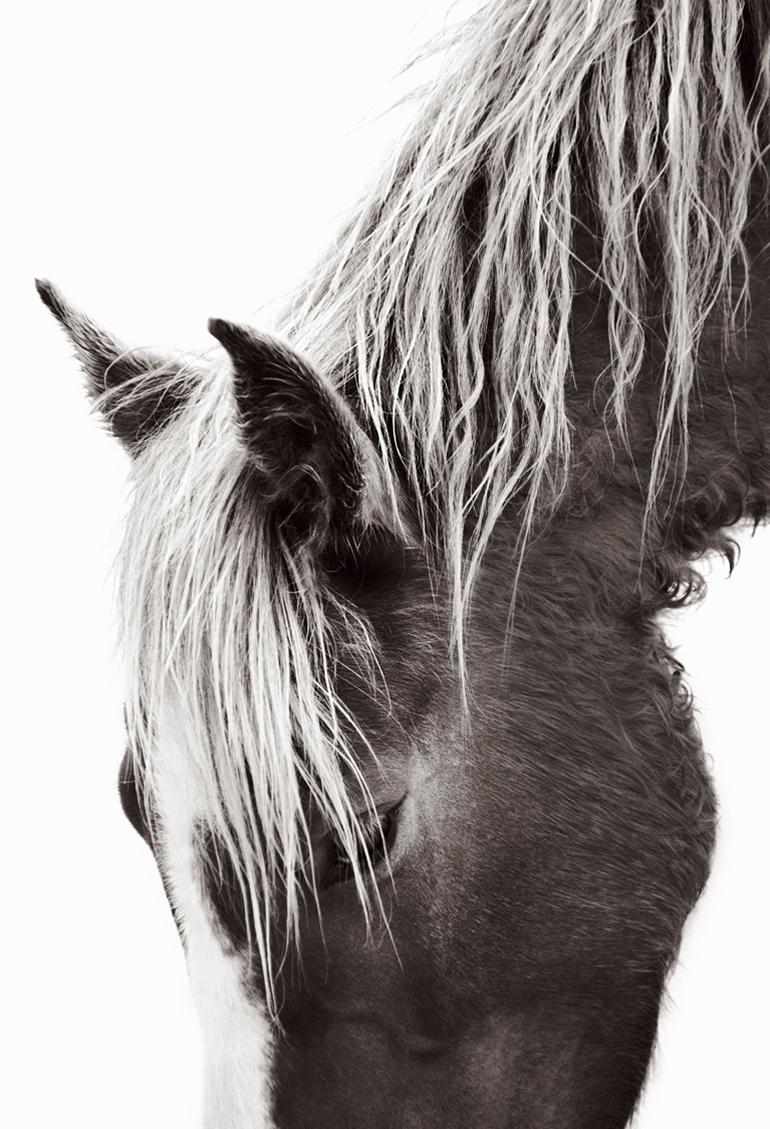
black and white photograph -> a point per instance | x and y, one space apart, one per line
387 579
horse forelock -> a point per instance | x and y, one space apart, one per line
232 643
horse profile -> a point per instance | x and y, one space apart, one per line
417 766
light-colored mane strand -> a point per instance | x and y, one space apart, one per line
445 306
230 641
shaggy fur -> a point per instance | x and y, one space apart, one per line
445 309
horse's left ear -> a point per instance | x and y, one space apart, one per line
137 391
314 463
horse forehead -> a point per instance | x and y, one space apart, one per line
237 1035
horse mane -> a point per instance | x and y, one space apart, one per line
443 313
444 308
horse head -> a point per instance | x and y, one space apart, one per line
417 766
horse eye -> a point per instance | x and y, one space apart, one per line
379 832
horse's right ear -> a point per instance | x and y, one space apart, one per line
137 391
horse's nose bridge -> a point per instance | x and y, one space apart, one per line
236 1032
538 1064
237 1036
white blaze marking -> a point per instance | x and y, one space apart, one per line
236 1034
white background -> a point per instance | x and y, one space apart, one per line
164 162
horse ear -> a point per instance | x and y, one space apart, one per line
314 462
137 391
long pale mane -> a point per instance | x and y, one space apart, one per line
231 643
445 306
444 312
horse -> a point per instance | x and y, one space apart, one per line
418 768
